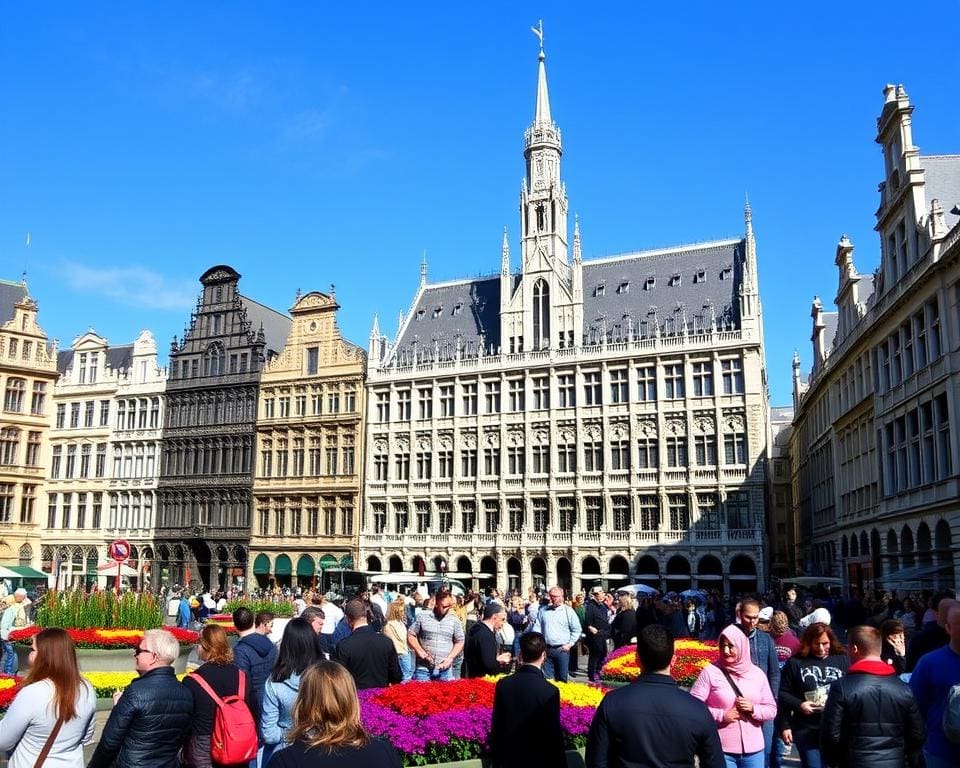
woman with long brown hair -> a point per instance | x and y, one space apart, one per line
804 685
225 679
327 732
54 712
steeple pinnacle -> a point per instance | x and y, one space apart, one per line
542 116
577 255
505 254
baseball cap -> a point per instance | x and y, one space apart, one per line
598 590
766 614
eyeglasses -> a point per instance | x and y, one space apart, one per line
138 650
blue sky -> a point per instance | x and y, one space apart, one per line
307 144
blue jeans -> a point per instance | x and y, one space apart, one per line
753 760
779 752
557 664
767 727
406 665
9 658
808 745
423 674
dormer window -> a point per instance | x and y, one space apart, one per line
421 313
650 283
600 290
624 287
726 272
675 280
437 312
700 276
457 308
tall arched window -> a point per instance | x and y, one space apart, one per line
213 360
541 315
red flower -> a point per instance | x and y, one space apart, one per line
418 699
104 638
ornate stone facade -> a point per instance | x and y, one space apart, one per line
309 450
573 421
78 475
206 478
875 446
28 370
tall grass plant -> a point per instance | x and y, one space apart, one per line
77 609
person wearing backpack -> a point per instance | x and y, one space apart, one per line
223 731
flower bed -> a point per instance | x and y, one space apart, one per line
445 722
691 657
104 638
9 688
278 608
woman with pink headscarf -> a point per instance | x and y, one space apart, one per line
738 696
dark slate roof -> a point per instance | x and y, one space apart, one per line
276 325
446 312
118 358
942 181
10 294
693 285
683 286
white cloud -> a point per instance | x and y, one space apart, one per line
135 286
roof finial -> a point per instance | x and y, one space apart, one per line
423 268
577 254
538 31
748 215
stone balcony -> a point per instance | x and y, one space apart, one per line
580 539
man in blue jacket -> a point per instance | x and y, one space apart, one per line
763 653
151 719
254 654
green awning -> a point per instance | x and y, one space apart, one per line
283 566
27 572
328 561
261 566
305 566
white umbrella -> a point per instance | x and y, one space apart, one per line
639 589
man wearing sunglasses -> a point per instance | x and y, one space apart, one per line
151 718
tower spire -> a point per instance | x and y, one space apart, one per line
542 116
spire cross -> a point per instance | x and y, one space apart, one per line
538 31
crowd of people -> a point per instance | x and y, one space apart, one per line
781 679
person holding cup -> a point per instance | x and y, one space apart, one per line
804 686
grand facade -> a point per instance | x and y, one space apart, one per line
309 450
875 435
205 490
79 469
573 421
28 370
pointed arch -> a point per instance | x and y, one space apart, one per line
541 314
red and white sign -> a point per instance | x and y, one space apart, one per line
119 550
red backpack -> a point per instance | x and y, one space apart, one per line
234 736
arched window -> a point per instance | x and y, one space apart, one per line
541 315
13 397
213 360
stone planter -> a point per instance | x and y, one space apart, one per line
103 659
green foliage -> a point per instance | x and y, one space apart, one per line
76 609
277 609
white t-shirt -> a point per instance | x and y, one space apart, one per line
331 617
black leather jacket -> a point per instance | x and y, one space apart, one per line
148 725
871 718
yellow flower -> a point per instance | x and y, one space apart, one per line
7 683
579 694
126 634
